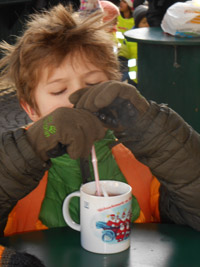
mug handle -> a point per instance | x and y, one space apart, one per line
66 214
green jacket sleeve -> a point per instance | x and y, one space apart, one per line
164 142
20 171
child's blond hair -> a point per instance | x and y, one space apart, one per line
47 39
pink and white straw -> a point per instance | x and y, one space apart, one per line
96 173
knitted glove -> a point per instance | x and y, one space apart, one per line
65 130
12 258
118 105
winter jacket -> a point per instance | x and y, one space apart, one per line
126 50
20 171
160 139
64 177
164 142
124 25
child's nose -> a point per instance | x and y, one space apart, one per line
70 105
77 85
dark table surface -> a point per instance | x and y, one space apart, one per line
155 35
151 245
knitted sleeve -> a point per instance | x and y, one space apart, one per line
10 258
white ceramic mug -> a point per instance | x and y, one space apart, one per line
104 221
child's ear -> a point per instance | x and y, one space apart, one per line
30 111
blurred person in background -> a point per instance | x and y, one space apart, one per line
157 9
128 51
125 19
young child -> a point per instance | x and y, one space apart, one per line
58 54
111 12
128 50
125 19
140 16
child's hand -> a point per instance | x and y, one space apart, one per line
65 130
114 103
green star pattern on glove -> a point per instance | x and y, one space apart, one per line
49 129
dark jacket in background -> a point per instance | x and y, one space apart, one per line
13 15
157 9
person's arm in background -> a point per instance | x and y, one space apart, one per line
159 138
157 9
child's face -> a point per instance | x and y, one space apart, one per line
123 6
54 88
143 23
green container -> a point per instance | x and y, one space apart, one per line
169 71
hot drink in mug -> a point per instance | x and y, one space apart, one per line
104 221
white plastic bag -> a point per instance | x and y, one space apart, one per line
182 19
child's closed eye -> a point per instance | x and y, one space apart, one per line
91 84
58 92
